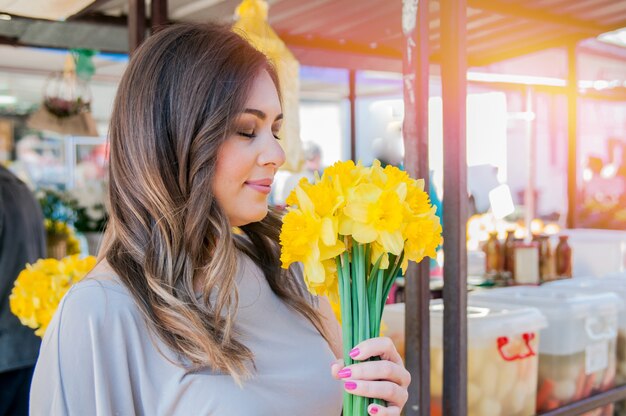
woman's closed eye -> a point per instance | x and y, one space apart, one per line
250 134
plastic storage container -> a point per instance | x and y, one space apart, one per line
602 285
577 349
596 253
502 359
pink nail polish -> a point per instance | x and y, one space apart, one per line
373 410
349 385
345 373
355 352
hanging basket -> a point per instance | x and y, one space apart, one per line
79 125
66 106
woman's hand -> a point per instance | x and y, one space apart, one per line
386 379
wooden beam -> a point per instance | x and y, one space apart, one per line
330 14
538 15
454 96
572 127
11 41
90 9
314 42
517 34
581 8
347 60
617 95
102 19
158 15
504 53
367 19
416 71
136 24
287 10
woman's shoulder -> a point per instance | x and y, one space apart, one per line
100 296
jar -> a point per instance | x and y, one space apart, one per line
493 255
545 257
563 255
508 251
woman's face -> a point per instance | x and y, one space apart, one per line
247 161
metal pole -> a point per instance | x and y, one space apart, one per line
136 24
529 194
454 84
572 119
352 98
415 135
158 15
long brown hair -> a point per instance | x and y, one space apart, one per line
174 107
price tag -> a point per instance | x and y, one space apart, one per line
596 357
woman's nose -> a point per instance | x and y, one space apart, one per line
273 153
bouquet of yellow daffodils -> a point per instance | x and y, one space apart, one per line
39 288
353 230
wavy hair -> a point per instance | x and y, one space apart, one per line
175 106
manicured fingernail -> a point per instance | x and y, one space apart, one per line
345 373
355 352
373 410
349 385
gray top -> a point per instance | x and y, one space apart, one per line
98 357
22 240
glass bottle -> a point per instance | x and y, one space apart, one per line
493 255
563 254
545 257
508 251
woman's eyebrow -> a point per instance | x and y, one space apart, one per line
260 114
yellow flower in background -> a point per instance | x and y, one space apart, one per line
40 287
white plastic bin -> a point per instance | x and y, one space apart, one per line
577 349
596 253
502 358
601 285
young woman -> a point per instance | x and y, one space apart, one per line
182 316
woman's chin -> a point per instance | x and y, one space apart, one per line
250 217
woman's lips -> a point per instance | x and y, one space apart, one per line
263 185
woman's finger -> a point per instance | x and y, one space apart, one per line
377 370
378 410
335 367
385 390
381 347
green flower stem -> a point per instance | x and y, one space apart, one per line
391 277
363 290
368 262
343 272
371 286
360 287
377 302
